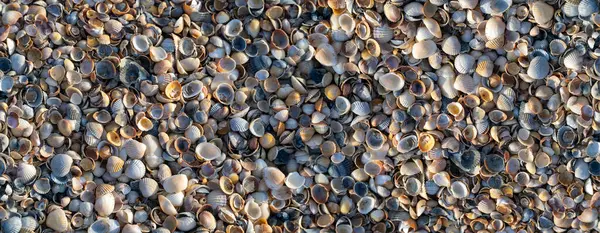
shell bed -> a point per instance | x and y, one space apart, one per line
299 116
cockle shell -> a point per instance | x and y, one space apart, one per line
175 183
57 220
539 68
61 164
424 49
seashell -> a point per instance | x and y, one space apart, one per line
148 187
407 144
459 189
135 169
319 193
166 206
60 165
463 63
233 28
391 81
465 83
424 49
468 4
175 183
451 46
375 139
326 55
225 93
207 220
494 27
586 8
273 177
238 124
104 225
26 172
12 225
134 149
365 204
104 205
140 43
361 108
433 27
542 12
294 180
207 151
413 186
57 220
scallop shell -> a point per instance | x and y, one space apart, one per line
539 68
465 83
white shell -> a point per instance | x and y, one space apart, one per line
391 81
463 63
175 183
494 28
105 205
135 169
451 46
539 68
424 49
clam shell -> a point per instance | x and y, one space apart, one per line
104 225
135 169
148 187
104 205
12 225
208 151
273 177
166 206
494 28
57 220
424 49
175 183
542 12
361 108
326 55
407 144
451 46
238 124
391 81
60 164
459 189
587 7
463 63
465 83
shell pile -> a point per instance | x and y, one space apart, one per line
345 116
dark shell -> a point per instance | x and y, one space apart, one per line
467 161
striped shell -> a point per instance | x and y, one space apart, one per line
538 68
464 63
148 187
216 198
587 7
104 189
135 169
238 124
451 46
361 108
60 165
26 172
134 149
465 83
542 12
114 165
12 225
